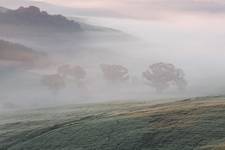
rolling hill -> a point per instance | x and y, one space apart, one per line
32 16
13 54
33 19
44 31
197 123
3 10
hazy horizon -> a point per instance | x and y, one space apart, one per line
188 34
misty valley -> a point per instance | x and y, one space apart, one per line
78 76
92 76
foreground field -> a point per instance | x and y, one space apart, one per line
184 125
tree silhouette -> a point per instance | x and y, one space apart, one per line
78 72
162 75
115 73
54 82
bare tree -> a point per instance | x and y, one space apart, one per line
162 75
54 82
115 73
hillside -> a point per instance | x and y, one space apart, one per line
3 10
189 124
33 16
41 30
13 54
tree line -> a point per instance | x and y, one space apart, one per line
159 76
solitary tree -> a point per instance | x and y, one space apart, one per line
115 73
162 75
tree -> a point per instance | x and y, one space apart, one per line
78 72
115 73
75 73
54 82
162 75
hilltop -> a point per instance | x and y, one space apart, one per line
33 16
41 30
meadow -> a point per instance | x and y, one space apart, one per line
197 123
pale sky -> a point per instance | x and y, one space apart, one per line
191 5
148 8
139 9
81 3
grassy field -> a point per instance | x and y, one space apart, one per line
191 124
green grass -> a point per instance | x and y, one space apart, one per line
195 124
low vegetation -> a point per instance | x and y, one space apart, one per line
184 125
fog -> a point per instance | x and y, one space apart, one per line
197 48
